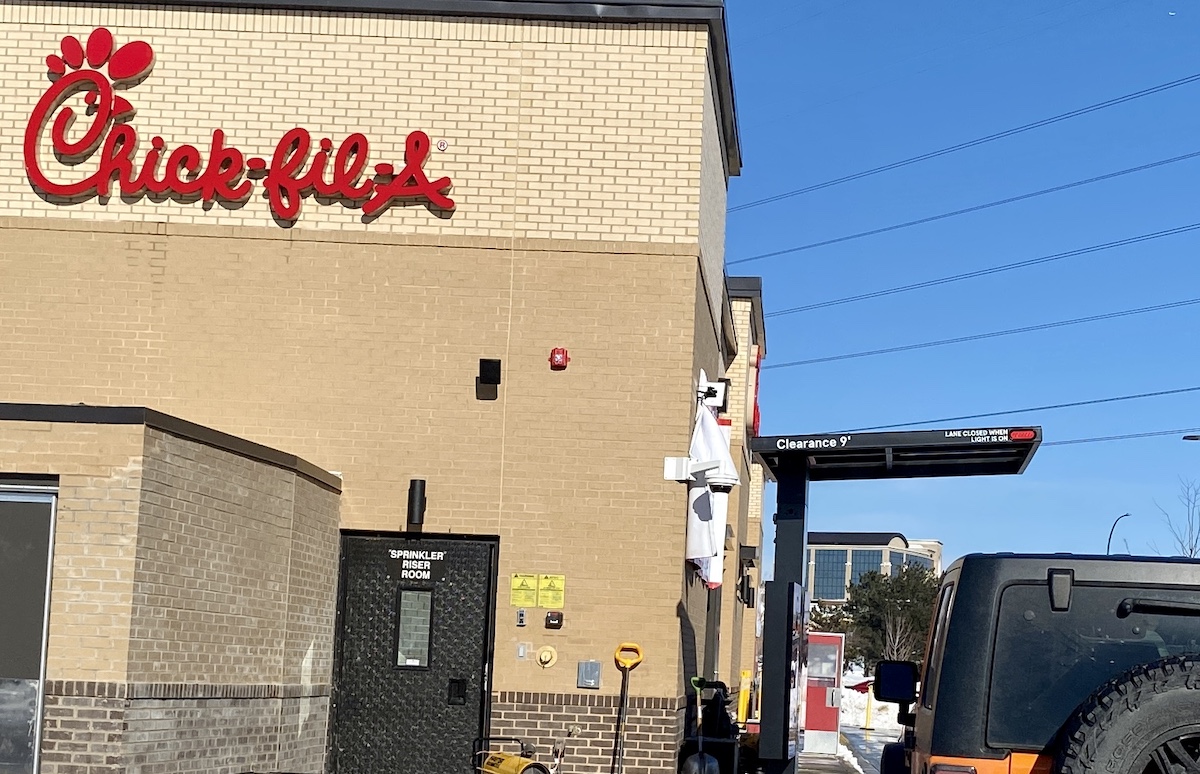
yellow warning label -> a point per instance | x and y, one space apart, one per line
551 591
524 591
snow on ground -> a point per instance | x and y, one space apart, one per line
854 705
845 754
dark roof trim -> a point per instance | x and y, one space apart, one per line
128 415
751 288
709 12
854 538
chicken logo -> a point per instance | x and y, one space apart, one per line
298 167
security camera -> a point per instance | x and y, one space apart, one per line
719 482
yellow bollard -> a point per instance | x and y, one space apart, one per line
743 711
867 724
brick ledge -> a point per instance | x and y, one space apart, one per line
588 700
111 690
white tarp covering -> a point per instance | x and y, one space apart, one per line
708 510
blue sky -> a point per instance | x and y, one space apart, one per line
827 88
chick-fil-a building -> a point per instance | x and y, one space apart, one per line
346 350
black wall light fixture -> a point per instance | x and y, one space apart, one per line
487 384
416 504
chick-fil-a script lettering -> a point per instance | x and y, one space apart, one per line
297 168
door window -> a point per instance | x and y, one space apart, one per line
414 618
823 667
933 653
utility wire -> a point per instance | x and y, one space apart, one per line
1103 438
970 143
1027 410
964 211
990 335
986 272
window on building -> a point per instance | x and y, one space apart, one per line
829 574
415 609
921 561
863 562
899 559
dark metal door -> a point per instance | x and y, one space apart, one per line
412 684
26 526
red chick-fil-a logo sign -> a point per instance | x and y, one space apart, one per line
224 174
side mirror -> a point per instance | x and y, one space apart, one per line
896 682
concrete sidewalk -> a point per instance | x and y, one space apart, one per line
809 763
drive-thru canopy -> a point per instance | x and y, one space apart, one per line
794 461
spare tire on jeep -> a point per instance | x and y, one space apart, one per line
1145 721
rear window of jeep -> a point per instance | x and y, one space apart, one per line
1046 663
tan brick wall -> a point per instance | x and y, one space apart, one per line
714 189
554 130
100 470
217 598
749 631
155 548
360 356
192 608
741 373
312 594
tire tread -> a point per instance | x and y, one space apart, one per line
1123 694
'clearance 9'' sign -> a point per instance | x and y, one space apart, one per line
297 168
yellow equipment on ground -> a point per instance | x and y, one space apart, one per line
510 763
498 762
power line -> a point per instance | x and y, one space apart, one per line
970 143
1127 437
964 211
990 335
1026 410
986 272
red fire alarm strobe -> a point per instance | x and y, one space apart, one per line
559 358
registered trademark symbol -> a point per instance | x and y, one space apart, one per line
442 145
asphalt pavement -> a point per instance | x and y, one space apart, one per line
867 746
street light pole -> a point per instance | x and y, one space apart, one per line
1108 550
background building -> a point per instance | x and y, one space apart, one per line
836 560
522 325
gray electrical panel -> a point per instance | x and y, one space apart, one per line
588 675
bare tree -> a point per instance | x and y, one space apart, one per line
899 637
1185 530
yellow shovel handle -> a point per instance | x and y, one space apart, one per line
628 655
